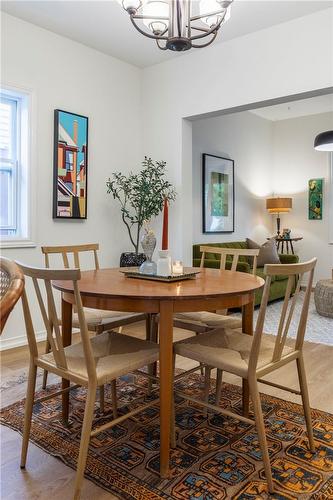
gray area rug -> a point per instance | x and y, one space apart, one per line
319 328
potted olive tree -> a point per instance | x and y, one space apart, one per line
141 196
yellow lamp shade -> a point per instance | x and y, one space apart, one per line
278 205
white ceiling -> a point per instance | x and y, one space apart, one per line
105 26
303 107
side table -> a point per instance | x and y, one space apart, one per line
281 242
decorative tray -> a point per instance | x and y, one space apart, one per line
154 277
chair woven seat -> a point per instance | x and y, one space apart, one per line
98 317
208 319
226 349
115 355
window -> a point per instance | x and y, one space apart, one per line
69 160
15 174
8 165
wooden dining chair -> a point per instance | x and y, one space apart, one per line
98 320
91 363
11 288
254 357
204 321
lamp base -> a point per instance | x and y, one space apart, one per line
278 224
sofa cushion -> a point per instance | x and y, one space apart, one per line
212 263
281 277
261 274
267 252
242 267
288 258
211 255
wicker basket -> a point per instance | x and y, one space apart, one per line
323 297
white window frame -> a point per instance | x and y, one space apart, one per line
11 164
25 169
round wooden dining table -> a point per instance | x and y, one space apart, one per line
210 290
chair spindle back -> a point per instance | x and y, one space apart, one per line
295 273
49 314
75 250
235 253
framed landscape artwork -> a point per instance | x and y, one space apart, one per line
316 199
218 204
70 165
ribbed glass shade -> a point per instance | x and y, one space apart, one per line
207 6
130 4
156 8
278 205
324 141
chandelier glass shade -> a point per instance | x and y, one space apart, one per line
178 25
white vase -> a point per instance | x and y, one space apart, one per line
164 263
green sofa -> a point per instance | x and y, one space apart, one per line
279 283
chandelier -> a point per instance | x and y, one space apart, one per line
178 25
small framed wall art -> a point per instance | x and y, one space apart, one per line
218 192
70 165
316 199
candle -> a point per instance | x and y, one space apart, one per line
165 243
177 267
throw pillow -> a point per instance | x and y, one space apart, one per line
267 253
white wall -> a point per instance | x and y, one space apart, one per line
295 162
247 139
268 64
67 75
271 157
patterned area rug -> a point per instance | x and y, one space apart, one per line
216 457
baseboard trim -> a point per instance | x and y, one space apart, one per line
12 342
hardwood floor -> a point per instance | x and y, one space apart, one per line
46 477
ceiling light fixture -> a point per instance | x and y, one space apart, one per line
324 141
174 24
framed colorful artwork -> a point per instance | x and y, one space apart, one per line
316 199
70 165
218 193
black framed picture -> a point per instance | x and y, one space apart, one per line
70 165
218 193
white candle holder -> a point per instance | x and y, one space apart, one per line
177 267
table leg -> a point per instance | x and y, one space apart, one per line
66 322
247 327
166 389
151 335
292 248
